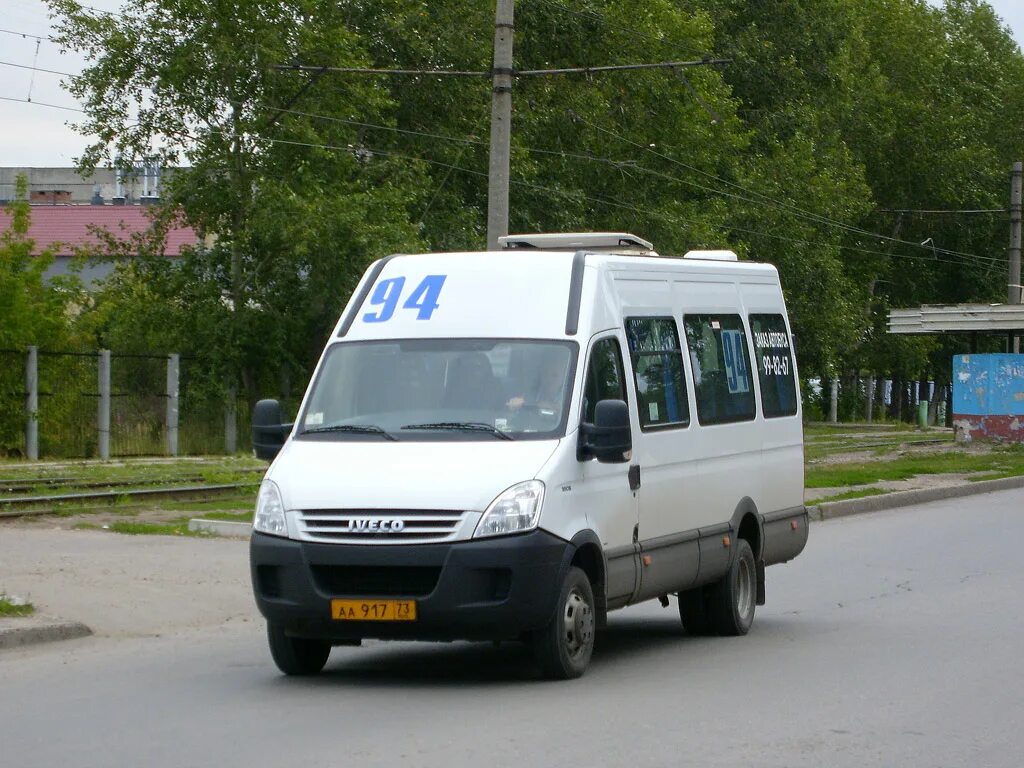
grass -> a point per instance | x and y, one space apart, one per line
1007 461
228 469
858 494
9 608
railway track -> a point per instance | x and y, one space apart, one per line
25 506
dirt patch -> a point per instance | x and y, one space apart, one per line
910 484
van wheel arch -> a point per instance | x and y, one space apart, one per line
746 524
586 553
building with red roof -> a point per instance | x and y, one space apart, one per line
68 229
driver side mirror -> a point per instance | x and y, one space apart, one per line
609 439
268 433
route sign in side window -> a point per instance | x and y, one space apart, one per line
604 377
774 358
658 372
721 368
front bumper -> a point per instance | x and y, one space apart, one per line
487 589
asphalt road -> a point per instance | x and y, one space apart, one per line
894 640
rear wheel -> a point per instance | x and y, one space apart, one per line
733 598
296 655
563 648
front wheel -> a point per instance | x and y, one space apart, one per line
733 598
296 655
563 647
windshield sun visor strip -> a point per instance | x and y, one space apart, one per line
371 280
572 315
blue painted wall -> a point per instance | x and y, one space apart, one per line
988 385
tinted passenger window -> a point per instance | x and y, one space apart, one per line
604 377
721 368
658 370
772 353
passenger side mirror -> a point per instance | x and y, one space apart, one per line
268 433
609 439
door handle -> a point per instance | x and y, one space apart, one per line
634 477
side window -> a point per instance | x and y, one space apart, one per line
604 377
721 368
774 360
658 369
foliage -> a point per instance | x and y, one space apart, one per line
10 607
33 312
837 123
294 208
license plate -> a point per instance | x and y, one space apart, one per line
373 610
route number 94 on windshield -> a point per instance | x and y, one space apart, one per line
423 298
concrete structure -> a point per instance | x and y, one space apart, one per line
988 397
67 185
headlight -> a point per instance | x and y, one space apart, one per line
270 510
515 510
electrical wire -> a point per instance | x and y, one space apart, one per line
944 211
630 33
796 210
27 35
931 253
42 104
641 169
36 69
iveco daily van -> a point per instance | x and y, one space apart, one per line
511 444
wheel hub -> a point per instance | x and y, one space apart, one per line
744 590
578 623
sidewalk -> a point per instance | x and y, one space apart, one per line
124 586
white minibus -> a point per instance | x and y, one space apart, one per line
511 444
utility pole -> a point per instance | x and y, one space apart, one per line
501 124
502 75
1013 289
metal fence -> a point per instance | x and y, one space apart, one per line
63 404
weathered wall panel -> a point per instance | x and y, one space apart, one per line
988 397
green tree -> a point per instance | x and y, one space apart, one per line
294 207
33 312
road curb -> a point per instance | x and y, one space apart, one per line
16 633
833 509
220 527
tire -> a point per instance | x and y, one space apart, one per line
693 612
296 655
733 598
563 647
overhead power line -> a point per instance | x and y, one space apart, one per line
27 35
942 211
42 104
36 69
623 32
796 210
490 73
363 151
929 254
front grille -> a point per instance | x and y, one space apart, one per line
376 581
351 526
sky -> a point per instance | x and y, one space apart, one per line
35 135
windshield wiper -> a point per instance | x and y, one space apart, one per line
462 426
359 429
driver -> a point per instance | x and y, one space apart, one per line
545 392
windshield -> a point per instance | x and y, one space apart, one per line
442 389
